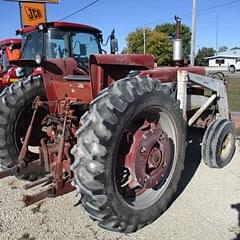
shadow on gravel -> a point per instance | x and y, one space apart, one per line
237 207
192 159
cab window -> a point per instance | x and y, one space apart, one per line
57 44
82 46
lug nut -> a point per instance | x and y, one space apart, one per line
146 179
162 137
143 150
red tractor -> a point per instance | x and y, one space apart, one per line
9 50
113 127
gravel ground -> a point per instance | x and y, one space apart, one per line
203 210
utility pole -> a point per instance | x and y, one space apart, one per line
144 40
217 33
193 40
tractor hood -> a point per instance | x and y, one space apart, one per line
105 69
51 66
142 61
24 63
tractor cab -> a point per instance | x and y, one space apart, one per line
9 50
60 53
61 40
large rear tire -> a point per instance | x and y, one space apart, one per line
15 116
134 122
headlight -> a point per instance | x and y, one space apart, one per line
38 59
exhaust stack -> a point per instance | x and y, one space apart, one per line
178 44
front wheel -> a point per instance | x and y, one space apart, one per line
129 155
218 145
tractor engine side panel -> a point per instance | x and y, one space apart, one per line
63 78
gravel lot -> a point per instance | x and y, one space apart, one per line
207 207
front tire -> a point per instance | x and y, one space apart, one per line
218 144
129 113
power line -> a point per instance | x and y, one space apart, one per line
223 5
216 7
199 12
188 15
80 10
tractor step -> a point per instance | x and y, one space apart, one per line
21 169
50 192
46 180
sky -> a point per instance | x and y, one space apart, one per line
218 21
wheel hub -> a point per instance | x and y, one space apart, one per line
154 158
226 146
149 158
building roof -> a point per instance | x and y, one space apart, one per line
234 54
230 52
223 56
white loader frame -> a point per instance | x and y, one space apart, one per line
184 78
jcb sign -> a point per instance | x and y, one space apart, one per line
35 1
32 13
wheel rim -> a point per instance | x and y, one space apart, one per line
144 171
226 147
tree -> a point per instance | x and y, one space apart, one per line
170 30
157 44
202 54
222 49
235 48
135 40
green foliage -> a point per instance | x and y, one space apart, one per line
235 48
158 42
202 54
160 46
233 92
135 40
170 30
